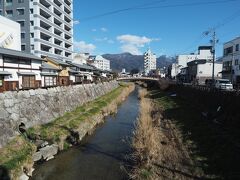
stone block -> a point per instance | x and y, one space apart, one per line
8 103
49 151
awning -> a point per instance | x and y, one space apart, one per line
5 73
26 73
49 74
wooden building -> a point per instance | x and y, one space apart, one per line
19 70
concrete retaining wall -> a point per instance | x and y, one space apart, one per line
42 106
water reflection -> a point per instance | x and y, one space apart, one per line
103 155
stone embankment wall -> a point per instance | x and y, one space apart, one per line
41 106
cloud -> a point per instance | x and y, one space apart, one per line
132 39
133 43
131 48
101 39
105 39
75 22
103 29
83 47
94 30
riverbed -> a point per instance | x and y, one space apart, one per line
102 155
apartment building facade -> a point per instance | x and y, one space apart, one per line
101 63
150 62
231 61
46 26
204 52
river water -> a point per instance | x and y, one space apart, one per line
103 155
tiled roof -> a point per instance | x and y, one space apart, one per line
21 54
48 66
57 61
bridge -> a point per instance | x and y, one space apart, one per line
138 78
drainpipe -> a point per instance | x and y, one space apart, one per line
3 8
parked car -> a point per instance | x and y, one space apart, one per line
223 84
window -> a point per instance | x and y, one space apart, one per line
50 80
10 60
236 62
32 35
20 11
20 1
8 2
237 47
32 23
23 47
228 51
28 81
9 13
31 11
1 81
0 11
25 61
22 35
78 79
21 23
32 47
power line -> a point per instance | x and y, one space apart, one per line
143 7
217 26
189 4
120 10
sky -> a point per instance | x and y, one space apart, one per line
168 27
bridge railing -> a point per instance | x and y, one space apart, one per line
137 78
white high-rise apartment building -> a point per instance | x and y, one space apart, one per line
101 63
150 62
46 26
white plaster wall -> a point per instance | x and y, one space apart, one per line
10 30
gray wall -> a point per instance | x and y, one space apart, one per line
41 106
25 17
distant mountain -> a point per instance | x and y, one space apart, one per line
130 61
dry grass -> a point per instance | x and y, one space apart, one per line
159 150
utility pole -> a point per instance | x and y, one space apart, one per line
213 41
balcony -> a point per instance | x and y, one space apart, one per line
67 28
57 42
67 45
45 25
67 11
58 13
67 19
67 54
45 48
45 37
45 3
45 14
68 2
58 51
58 3
227 69
67 37
57 32
57 22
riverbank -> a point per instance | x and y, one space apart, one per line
160 151
17 156
199 135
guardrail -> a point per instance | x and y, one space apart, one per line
137 78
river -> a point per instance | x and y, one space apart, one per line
104 155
